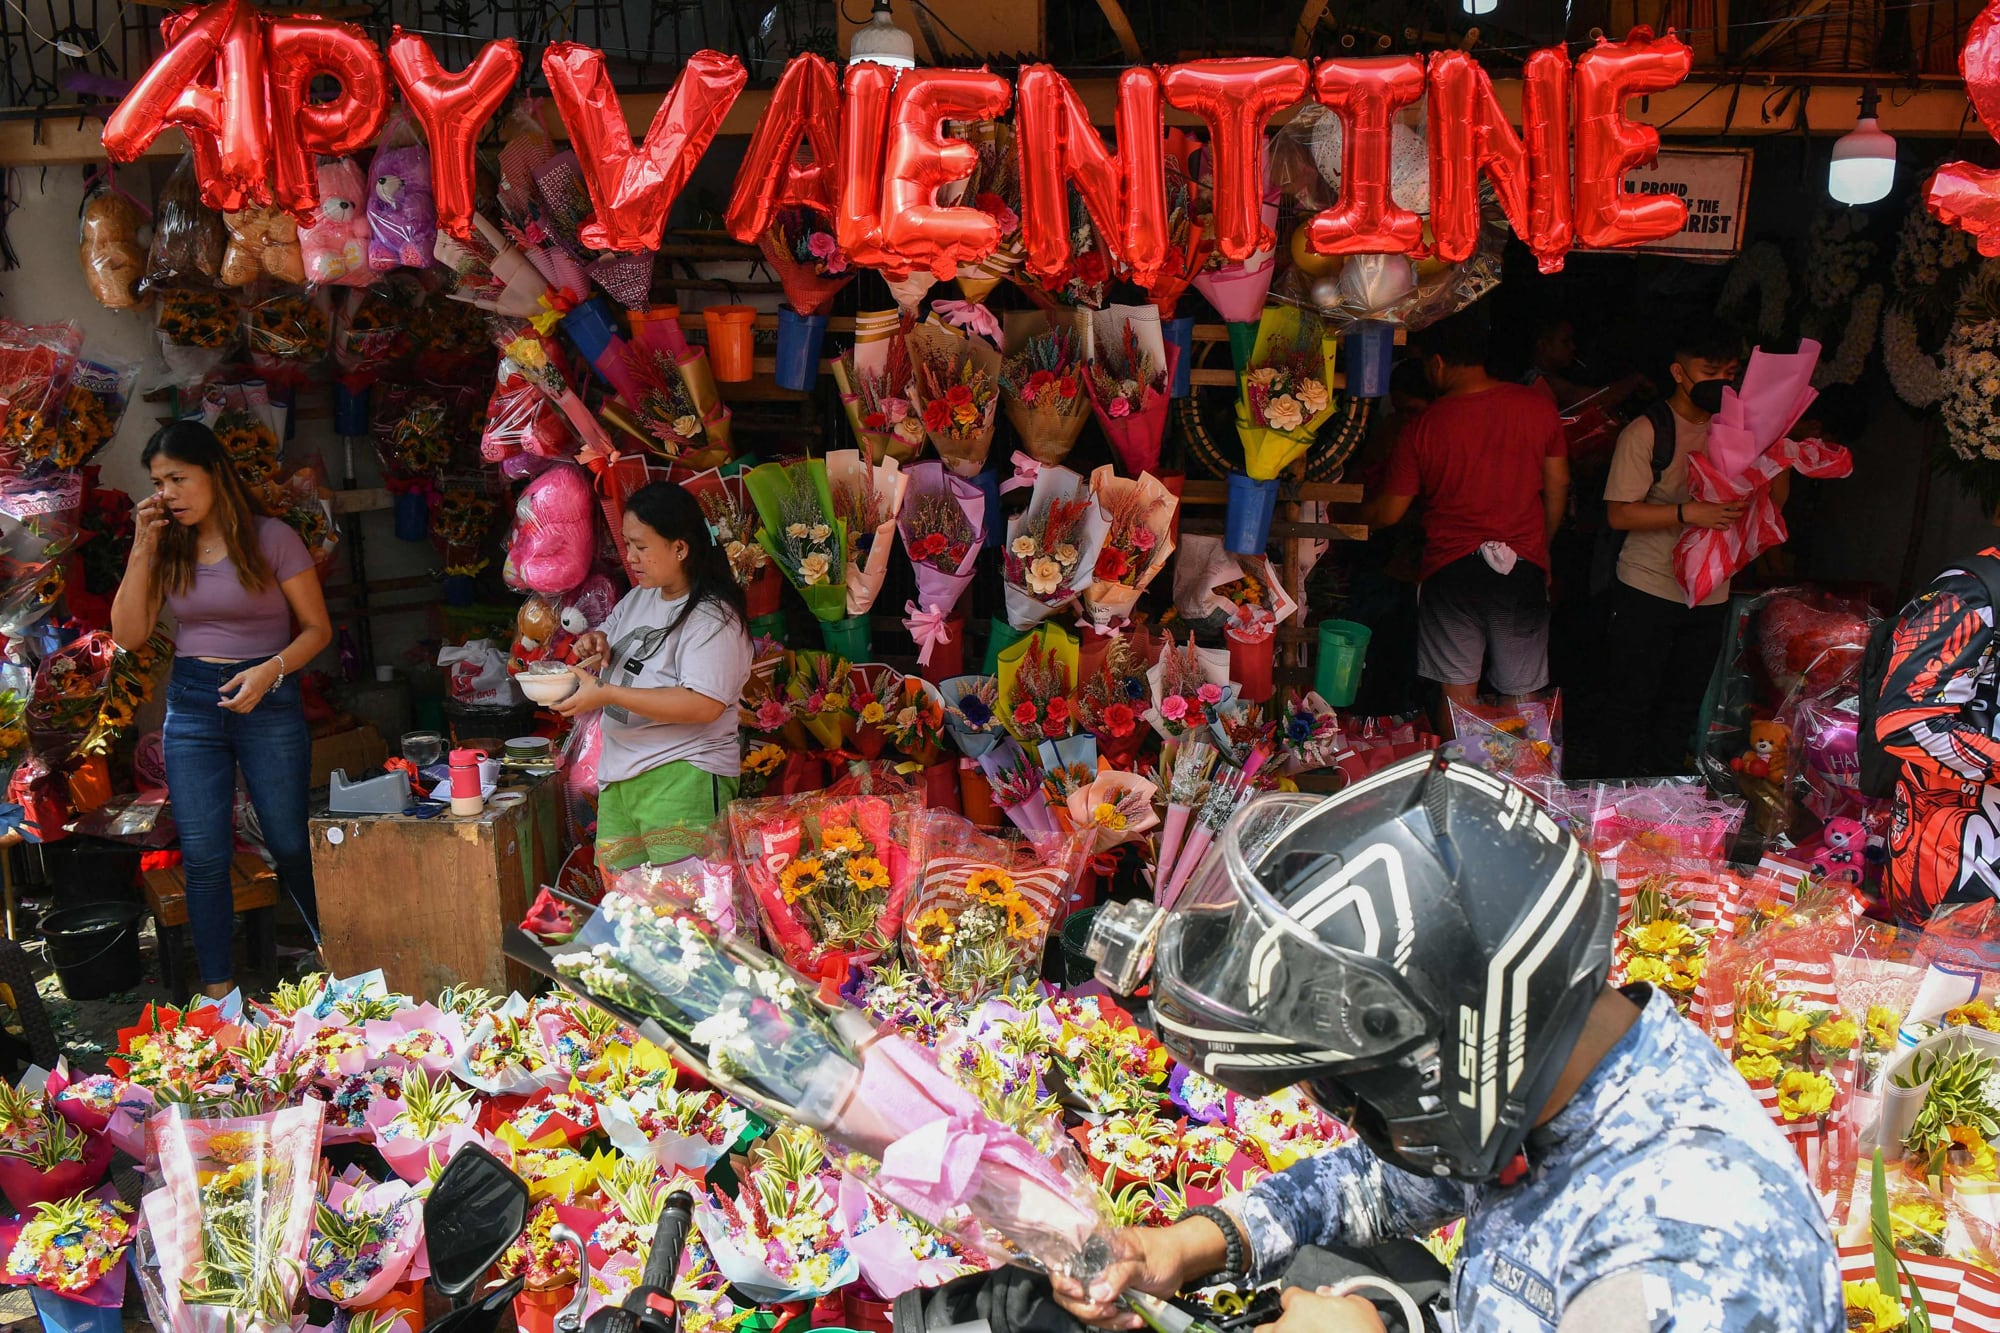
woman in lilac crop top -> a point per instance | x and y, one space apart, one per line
249 613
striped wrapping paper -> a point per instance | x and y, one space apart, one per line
1961 1298
1704 558
943 885
1825 1147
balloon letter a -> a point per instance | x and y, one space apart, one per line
227 125
634 185
1126 194
805 106
453 109
1608 145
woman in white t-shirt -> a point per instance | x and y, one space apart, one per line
670 665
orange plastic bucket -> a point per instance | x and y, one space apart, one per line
729 341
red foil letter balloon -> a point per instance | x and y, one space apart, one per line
1365 95
453 109
1960 194
776 171
1469 134
1126 193
918 232
634 185
1236 99
301 50
1608 145
226 122
864 137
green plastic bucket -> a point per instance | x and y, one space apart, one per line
1343 648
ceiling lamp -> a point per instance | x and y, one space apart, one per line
880 42
1863 169
1477 7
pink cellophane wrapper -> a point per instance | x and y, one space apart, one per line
381 1034
1110 787
1704 557
938 592
107 1293
887 1265
1777 389
1237 291
191 1148
955 850
845 467
936 1152
409 1156
78 1113
1108 603
398 1202
1026 609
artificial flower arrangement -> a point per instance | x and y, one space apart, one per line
877 388
1042 387
1190 687
1037 674
802 532
1111 700
1131 366
1138 537
802 250
817 686
867 498
980 916
1052 548
955 388
831 876
731 519
943 522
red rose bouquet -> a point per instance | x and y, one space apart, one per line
1138 537
956 391
1042 385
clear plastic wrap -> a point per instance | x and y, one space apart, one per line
335 247
402 214
36 363
980 912
114 263
94 404
189 238
199 327
38 528
263 243
289 332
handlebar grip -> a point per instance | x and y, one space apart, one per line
669 1236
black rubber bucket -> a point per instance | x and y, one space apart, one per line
95 948
1077 966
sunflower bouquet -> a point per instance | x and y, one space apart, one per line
92 407
127 688
979 920
36 363
289 332
198 327
460 524
831 876
40 521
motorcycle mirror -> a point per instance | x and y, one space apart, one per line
483 1315
473 1214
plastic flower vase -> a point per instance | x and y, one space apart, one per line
1370 347
975 796
60 1314
460 590
866 1314
941 790
947 658
799 340
1246 526
413 517
1343 647
1250 664
1180 333
766 592
536 1311
730 330
770 625
850 636
1242 342
350 408
1000 636
592 327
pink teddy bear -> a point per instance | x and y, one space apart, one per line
336 246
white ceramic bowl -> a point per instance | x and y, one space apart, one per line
546 687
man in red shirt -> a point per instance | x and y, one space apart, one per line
1489 464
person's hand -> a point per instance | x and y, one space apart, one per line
1317 1312
149 521
247 688
590 647
1147 1259
589 694
1702 514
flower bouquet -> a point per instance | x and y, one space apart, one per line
725 504
916 727
1052 549
1190 687
1188 771
1042 386
1256 604
43 1157
1036 676
831 876
876 380
39 527
817 685
422 1036
672 1127
871 688
943 521
994 182
867 498
36 364
539 359
955 387
803 535
70 1250
198 327
1287 395
1237 289
547 1267
288 333
979 919
92 407
1111 701
1016 777
668 401
781 1240
501 1057
85 1102
1309 735
895 1252
430 1120
1114 808
1189 245
1138 527
1131 371
365 1238
801 248
223 1241
1229 785
549 1119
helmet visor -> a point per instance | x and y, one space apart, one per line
1255 986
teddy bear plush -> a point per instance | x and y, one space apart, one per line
1766 756
536 626
113 261
336 246
262 242
402 216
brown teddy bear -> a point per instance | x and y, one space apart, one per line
113 261
262 241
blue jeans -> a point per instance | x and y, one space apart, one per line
205 745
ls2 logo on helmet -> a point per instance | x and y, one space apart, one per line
1468 1056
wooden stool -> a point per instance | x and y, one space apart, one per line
255 887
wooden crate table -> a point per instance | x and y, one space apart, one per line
426 900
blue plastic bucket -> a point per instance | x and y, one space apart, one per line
413 517
1246 526
799 341
350 410
996 521
60 1314
1370 351
1180 333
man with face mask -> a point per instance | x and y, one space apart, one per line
1661 649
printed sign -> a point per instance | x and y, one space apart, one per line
1714 183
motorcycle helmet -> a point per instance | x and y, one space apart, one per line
1419 951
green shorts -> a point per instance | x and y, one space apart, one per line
663 815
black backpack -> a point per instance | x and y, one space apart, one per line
1879 768
1610 540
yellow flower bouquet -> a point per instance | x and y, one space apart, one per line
980 916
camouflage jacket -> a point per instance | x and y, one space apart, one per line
1662 1182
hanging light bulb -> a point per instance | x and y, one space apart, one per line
879 41
1476 7
1864 159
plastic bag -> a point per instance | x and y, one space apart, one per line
114 263
38 529
198 328
1521 741
36 363
478 673
335 247
553 540
189 238
402 214
979 915
263 243
92 408
368 329
288 331
521 420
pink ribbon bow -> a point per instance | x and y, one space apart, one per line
1026 472
928 627
968 315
